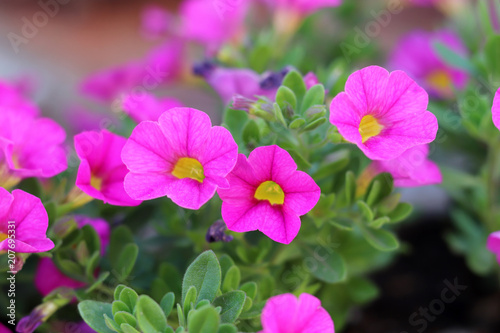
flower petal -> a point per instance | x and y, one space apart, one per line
272 163
301 193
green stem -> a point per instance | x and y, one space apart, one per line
492 183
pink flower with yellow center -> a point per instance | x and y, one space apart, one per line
101 171
147 106
180 156
383 113
415 55
288 314
267 193
29 147
410 169
493 244
46 266
30 222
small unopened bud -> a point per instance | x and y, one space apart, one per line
273 80
217 233
242 103
204 68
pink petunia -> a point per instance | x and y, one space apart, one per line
4 329
29 147
495 110
47 268
155 21
147 106
412 168
212 23
180 156
493 244
303 7
30 223
267 193
415 55
12 100
288 314
383 113
101 170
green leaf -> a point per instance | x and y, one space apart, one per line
314 96
118 290
492 53
122 317
225 263
401 212
227 328
118 306
205 275
315 124
167 303
126 261
91 239
350 187
120 237
297 123
204 320
99 281
380 239
378 223
453 59
250 289
362 290
251 132
232 279
126 328
380 187
190 299
365 210
235 121
150 316
129 297
231 304
326 264
93 312
278 113
286 98
180 315
111 324
295 82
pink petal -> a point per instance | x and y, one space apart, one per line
346 117
493 243
495 110
301 193
190 193
242 183
272 163
147 107
221 154
147 186
366 89
48 277
186 130
279 314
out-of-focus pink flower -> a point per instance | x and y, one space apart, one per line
30 223
493 244
48 277
310 79
29 147
13 100
147 106
101 170
267 193
159 67
495 110
212 23
156 21
181 156
81 120
415 55
383 113
4 329
412 168
288 314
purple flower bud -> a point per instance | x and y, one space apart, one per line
216 233
204 68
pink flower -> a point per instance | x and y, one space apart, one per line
287 314
147 106
311 80
101 170
159 67
29 147
12 100
4 329
383 113
493 244
267 193
304 7
212 23
156 21
495 110
30 223
412 168
415 55
46 267
181 156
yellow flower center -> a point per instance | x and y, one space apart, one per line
3 236
439 80
187 167
271 192
369 127
96 182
